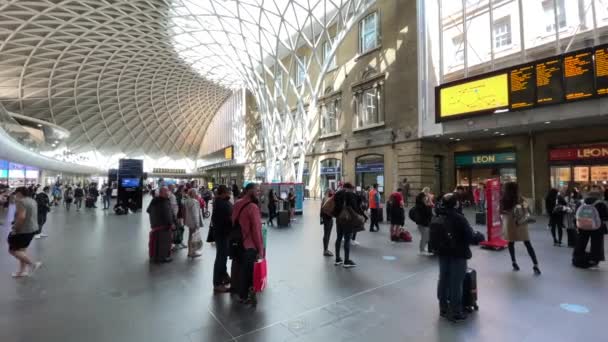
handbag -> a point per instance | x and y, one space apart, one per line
329 206
350 218
196 242
260 275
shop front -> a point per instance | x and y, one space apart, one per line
330 174
15 175
579 166
369 170
473 168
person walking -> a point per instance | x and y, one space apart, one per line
397 217
291 198
451 237
43 204
78 196
272 206
328 222
346 199
515 215
556 207
423 214
193 219
590 218
24 228
246 214
68 197
162 218
93 193
221 220
374 208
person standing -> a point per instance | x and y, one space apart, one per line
328 222
595 232
451 239
246 213
556 207
235 191
24 228
221 220
107 196
272 206
374 208
163 219
405 191
93 194
515 214
397 217
344 199
68 197
78 196
193 219
423 213
43 204
291 198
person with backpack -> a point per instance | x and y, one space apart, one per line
590 218
246 218
350 219
328 223
43 203
515 217
556 207
397 216
451 236
422 214
78 196
221 220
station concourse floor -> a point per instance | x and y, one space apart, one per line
97 285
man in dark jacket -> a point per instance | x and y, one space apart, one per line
346 198
221 220
451 236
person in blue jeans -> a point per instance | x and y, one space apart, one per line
451 236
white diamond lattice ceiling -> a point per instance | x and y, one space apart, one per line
106 70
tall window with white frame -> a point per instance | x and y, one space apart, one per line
326 51
549 14
369 37
300 70
330 116
369 111
502 32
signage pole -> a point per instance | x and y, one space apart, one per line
493 222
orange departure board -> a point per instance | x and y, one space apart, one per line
522 85
601 70
579 80
549 88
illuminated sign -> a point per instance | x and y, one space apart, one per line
579 153
478 96
549 88
229 153
522 87
172 171
578 75
601 70
485 159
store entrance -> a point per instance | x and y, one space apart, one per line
580 176
370 171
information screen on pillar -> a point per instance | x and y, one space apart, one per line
579 80
482 95
549 88
601 70
522 87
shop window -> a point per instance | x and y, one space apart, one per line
560 176
502 32
327 45
368 33
599 175
330 174
369 170
581 174
330 116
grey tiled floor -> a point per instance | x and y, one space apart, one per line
97 285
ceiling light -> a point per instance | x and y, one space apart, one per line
496 133
451 138
485 130
547 122
39 125
502 134
458 139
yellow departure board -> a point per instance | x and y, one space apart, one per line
229 153
477 96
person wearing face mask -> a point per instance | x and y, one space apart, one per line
246 214
24 228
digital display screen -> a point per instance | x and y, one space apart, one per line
549 88
229 153
601 71
523 87
129 182
3 173
16 174
578 75
481 95
31 174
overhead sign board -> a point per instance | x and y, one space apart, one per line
474 159
475 96
579 153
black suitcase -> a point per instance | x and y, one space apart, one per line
572 235
89 202
235 276
469 291
480 218
283 218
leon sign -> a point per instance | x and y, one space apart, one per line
579 153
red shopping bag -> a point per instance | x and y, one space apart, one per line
260 275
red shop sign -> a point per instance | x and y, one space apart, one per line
580 153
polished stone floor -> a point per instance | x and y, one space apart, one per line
97 285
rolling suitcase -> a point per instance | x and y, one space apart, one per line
480 218
89 202
283 218
235 276
159 245
469 291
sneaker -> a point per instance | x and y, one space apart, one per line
349 264
328 254
457 318
515 267
221 289
355 243
338 261
195 255
536 270
35 267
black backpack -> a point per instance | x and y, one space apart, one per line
78 192
443 239
235 236
413 214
